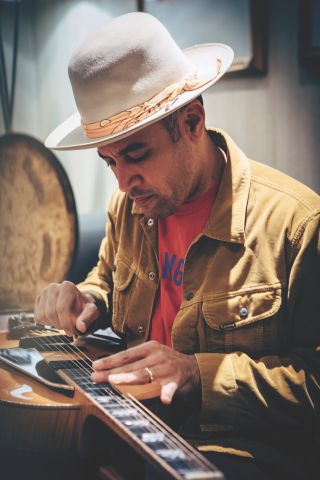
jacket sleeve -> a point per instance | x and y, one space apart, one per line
99 282
283 390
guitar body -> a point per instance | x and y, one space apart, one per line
40 428
33 417
97 433
44 432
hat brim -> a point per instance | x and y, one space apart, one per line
70 135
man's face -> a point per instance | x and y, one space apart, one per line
154 171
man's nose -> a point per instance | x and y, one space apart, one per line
127 178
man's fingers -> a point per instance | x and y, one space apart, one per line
123 358
150 362
42 312
167 392
137 377
114 361
134 366
39 309
65 306
89 314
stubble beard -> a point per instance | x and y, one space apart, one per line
178 187
179 195
161 207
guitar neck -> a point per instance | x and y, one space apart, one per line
150 437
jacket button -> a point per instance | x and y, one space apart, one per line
150 222
140 329
151 275
243 312
189 296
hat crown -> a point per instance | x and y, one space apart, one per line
124 64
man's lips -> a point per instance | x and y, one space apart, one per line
142 199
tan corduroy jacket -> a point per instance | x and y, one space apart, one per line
250 313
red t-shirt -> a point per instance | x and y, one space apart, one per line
175 234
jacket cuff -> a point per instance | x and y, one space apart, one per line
218 387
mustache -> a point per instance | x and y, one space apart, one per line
138 192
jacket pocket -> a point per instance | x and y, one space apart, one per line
246 320
123 279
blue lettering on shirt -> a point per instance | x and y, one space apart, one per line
168 268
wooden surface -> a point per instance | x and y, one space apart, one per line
38 220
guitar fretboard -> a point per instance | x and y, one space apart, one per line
147 434
159 442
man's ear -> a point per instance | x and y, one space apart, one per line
193 119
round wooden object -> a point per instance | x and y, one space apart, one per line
38 218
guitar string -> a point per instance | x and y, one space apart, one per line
66 349
174 443
74 349
82 356
168 441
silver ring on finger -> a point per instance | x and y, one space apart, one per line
150 375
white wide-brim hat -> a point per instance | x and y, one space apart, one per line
130 74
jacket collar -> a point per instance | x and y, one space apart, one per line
227 218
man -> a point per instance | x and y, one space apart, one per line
209 266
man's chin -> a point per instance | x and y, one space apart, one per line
154 207
158 211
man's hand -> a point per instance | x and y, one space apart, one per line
65 307
176 372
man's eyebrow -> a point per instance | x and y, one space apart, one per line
124 151
132 147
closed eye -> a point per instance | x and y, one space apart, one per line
128 158
109 161
139 158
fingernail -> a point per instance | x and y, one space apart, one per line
166 400
97 377
96 364
81 328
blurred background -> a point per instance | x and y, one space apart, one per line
269 102
274 117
